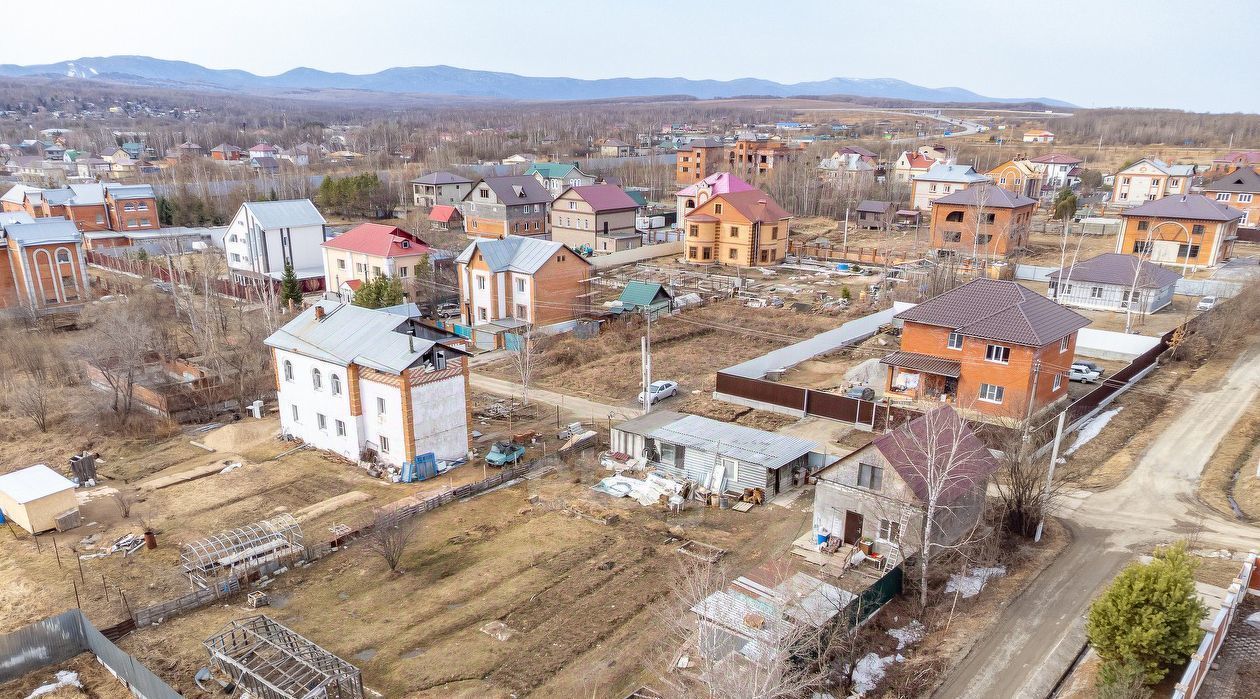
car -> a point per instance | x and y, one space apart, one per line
1082 373
1091 366
860 393
448 310
1206 303
661 390
503 453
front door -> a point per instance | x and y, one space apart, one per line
852 527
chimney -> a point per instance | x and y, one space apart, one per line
319 312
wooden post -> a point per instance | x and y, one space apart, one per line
77 603
80 562
104 587
56 552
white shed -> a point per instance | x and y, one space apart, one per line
38 498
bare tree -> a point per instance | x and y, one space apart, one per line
32 398
117 347
525 357
124 501
389 537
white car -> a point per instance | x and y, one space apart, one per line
1084 374
661 390
1206 303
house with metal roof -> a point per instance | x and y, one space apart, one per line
502 206
649 298
986 221
1188 230
942 179
699 192
874 215
556 177
741 229
371 250
1114 281
440 189
992 348
1239 189
358 381
1149 179
595 219
265 237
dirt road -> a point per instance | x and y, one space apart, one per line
1042 630
573 407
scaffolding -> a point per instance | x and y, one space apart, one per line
218 560
272 662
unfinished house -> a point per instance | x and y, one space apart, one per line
222 561
180 389
270 661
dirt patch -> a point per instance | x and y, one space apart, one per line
1231 470
704 405
97 681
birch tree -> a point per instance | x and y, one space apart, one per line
525 357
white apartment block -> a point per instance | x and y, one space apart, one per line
264 236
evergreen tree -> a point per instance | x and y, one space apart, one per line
166 212
1065 204
1150 615
379 292
290 289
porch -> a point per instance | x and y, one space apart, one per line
920 377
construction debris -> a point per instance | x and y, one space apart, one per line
702 552
128 544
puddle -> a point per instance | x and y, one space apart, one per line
365 654
413 653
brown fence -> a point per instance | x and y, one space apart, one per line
1249 235
815 403
158 270
782 395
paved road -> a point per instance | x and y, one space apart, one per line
572 408
1041 631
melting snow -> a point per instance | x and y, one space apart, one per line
65 678
1091 430
969 585
870 670
909 634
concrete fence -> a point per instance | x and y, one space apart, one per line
1202 660
627 257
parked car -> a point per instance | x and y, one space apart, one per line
1091 366
1082 373
1206 303
661 390
860 393
503 453
448 310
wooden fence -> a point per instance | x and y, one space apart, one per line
861 254
158 270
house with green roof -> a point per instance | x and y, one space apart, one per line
647 297
558 176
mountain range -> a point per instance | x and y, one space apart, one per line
460 82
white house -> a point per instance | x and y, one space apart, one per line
264 236
1056 170
351 378
942 179
1149 179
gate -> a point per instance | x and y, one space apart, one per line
512 341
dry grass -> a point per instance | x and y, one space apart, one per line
1231 470
97 681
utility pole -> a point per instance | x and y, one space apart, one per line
1054 458
646 349
1032 395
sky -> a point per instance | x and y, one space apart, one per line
1182 54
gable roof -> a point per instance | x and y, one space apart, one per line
1187 206
992 309
871 206
988 195
225 148
351 334
1241 180
41 231
18 192
1118 268
284 214
1172 170
442 178
1057 159
938 451
263 148
640 293
514 253
516 189
747 444
378 240
918 161
553 170
603 197
444 213
719 183
33 482
1023 166
703 143
130 191
942 172
754 205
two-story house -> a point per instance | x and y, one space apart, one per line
440 189
1149 179
1190 230
351 380
597 217
263 150
981 222
741 229
698 159
371 250
500 206
266 236
42 265
910 165
754 157
131 207
881 491
942 179
226 152
614 148
697 193
518 281
557 177
991 347
1239 189
1055 170
1017 176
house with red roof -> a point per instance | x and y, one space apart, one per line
697 193
910 164
263 150
444 217
741 229
597 217
372 250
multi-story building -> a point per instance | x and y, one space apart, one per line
500 206
698 159
741 229
516 281
266 236
1239 189
757 157
981 222
1190 230
991 347
371 250
351 380
597 217
694 195
910 165
558 176
92 207
1056 170
1149 179
131 207
43 267
439 189
942 179
1018 176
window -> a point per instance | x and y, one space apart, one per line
380 405
1187 251
990 393
774 233
1095 292
1142 247
673 454
1001 180
951 236
694 231
765 255
572 206
717 209
361 267
481 283
691 252
384 444
520 284
706 252
1222 196
1124 180
1197 229
521 311
481 314
341 264
954 341
932 188
889 530
1063 344
734 231
402 272
954 217
998 353
1244 198
984 238
295 412
288 370
731 254
63 256
870 476
1144 225
132 223
341 428
316 379
1058 381
376 270
321 421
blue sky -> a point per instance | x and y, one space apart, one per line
1162 53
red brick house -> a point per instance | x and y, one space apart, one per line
989 346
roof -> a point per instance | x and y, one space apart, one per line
992 309
17 193
871 206
514 253
1056 159
33 482
378 240
1241 180
1038 132
266 162
263 148
747 444
603 197
918 161
718 183
551 170
1241 157
755 205
639 197
352 284
938 452
289 213
988 196
42 231
517 189
130 191
639 293
941 172
1173 170
1187 206
444 213
224 148
703 143
442 178
923 362
351 335
1118 268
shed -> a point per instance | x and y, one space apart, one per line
639 296
38 498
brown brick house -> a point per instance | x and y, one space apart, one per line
1190 230
1239 189
741 229
986 221
697 160
989 346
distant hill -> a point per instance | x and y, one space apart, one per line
446 80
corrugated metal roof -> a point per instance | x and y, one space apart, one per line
351 334
745 444
33 482
44 230
640 293
130 191
514 253
992 309
284 214
986 195
939 447
1241 180
942 172
442 178
923 362
1118 268
1186 206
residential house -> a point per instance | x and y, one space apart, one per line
942 179
1114 281
514 282
936 152
500 206
131 207
44 269
881 492
304 154
697 193
444 217
440 189
92 207
698 159
267 166
1235 160
557 176
646 298
1038 136
351 380
1239 189
225 152
992 347
135 150
1018 176
741 229
84 204
755 157
598 218
984 221
613 148
263 150
519 159
266 236
1189 230
1056 170
1149 179
187 151
721 457
875 215
849 165
371 250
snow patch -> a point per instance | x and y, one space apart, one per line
1091 429
969 585
909 634
65 678
870 670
